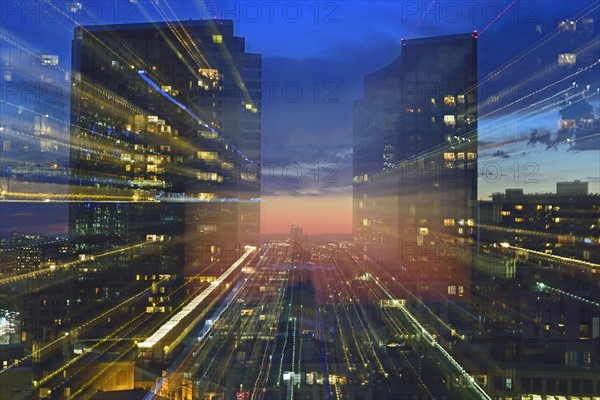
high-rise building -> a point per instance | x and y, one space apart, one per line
163 172
415 165
170 112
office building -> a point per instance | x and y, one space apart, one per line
415 165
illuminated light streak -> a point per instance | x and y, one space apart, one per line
590 47
149 81
438 346
529 232
72 198
130 52
66 266
185 32
421 19
169 42
509 63
282 288
77 329
95 150
545 287
191 306
287 334
496 19
75 23
571 76
526 52
324 347
537 113
594 267
367 328
421 303
86 351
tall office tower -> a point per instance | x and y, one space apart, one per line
167 111
164 175
415 165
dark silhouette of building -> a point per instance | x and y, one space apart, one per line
415 165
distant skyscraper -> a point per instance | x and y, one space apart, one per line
415 164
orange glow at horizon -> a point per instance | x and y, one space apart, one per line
315 215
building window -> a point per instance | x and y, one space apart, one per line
207 228
461 98
452 290
449 156
567 59
471 156
217 39
449 222
449 101
207 155
449 120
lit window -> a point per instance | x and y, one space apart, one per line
471 156
207 228
449 156
49 59
567 59
452 290
449 222
518 207
365 222
460 98
461 290
366 177
567 26
210 73
410 110
449 101
209 176
217 38
460 156
433 102
205 196
519 219
449 120
207 155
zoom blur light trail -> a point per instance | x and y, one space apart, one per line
144 76
191 306
547 288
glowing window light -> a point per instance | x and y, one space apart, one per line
142 74
191 306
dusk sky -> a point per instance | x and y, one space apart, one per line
315 56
